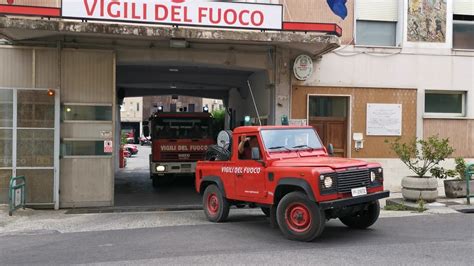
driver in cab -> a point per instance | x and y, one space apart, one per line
245 147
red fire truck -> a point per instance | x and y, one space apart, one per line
289 174
179 140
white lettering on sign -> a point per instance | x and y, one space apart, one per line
184 156
241 170
179 12
183 147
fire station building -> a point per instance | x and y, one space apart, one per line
359 78
64 76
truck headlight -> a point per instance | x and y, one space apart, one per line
160 168
373 176
328 182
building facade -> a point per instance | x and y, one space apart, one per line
78 72
412 59
399 69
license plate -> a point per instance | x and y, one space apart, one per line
359 191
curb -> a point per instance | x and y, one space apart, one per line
134 209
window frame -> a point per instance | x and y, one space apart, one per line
64 120
259 147
458 21
446 115
75 156
357 44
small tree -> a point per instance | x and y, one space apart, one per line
422 155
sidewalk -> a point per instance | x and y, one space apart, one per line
31 221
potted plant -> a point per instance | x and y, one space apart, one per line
454 188
420 156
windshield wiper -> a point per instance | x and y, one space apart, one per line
303 146
279 147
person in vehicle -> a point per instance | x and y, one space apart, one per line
245 147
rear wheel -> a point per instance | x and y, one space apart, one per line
216 206
364 218
300 218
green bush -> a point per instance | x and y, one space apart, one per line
422 155
458 171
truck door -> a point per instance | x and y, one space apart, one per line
249 173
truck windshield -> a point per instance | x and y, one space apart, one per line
290 139
182 128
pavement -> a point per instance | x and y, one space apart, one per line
182 238
65 221
133 187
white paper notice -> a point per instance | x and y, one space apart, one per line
384 119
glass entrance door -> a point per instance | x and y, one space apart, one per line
29 143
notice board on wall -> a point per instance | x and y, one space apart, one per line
384 119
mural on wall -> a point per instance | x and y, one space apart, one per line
427 21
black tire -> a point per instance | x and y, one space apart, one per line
305 212
215 205
364 218
217 153
266 211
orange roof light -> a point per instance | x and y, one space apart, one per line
51 93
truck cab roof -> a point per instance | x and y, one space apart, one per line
255 129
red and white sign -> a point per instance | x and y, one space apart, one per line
179 12
108 146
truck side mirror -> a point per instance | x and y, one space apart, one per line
146 129
331 149
255 153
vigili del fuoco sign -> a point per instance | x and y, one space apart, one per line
201 13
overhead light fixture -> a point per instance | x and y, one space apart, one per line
178 43
174 70
173 87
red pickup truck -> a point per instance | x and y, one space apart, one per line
288 173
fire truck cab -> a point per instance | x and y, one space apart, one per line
179 140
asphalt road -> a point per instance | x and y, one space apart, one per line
133 186
419 240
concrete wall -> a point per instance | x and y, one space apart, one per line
88 78
129 111
318 11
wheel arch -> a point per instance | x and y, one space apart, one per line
211 180
288 185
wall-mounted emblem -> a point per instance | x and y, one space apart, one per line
303 67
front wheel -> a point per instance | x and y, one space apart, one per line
216 206
299 218
363 218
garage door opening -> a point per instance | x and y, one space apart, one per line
188 106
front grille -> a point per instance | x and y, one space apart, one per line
176 157
352 179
